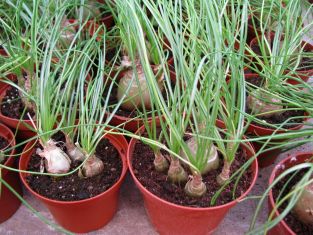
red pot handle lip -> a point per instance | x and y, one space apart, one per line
253 165
273 176
122 176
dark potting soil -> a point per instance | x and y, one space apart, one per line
72 187
279 118
159 184
12 105
4 144
291 219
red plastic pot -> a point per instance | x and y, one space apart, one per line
169 218
3 53
85 215
21 125
9 203
133 124
282 228
304 75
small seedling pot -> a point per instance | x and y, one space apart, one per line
9 203
282 227
84 215
169 218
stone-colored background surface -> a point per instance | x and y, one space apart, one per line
131 217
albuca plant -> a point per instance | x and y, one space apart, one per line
279 57
194 104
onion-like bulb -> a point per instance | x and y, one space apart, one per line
160 163
56 160
73 151
92 167
304 206
211 154
138 95
195 186
176 172
263 104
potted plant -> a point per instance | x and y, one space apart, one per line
183 165
126 60
84 177
288 195
284 52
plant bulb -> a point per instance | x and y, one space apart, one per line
92 167
303 208
264 105
56 160
211 155
138 94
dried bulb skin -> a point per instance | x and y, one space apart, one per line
56 161
212 155
160 162
73 151
138 94
224 175
176 172
303 208
25 82
261 103
92 167
195 186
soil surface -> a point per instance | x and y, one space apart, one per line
278 118
292 221
72 187
12 105
4 143
159 184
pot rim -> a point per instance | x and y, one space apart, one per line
118 182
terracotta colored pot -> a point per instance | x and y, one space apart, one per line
169 218
21 125
85 215
282 228
9 203
267 157
3 53
304 75
131 124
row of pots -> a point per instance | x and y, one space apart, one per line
167 217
